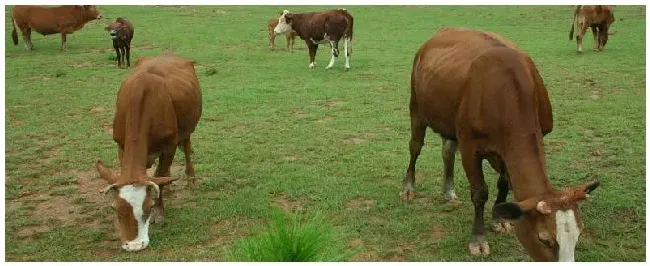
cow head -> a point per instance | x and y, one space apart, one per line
604 33
548 226
132 203
92 13
117 30
284 22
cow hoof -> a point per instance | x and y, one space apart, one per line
407 194
451 196
502 226
479 248
312 66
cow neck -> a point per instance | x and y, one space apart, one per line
137 132
526 168
300 19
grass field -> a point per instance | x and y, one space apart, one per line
276 134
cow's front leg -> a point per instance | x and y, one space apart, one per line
163 169
335 53
312 53
479 193
63 41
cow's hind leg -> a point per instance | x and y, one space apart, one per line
335 53
123 49
128 55
189 167
418 132
27 37
582 29
63 41
479 193
449 148
163 169
346 44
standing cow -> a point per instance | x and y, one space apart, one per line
599 18
291 36
50 20
485 97
158 107
320 27
121 32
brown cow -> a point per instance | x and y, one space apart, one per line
121 32
50 20
329 26
291 36
158 107
484 96
599 18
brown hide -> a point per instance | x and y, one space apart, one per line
121 32
598 18
158 107
314 26
50 20
482 92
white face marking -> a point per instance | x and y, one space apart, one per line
135 196
567 233
282 26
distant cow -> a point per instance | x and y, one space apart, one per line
291 36
599 18
121 32
50 20
158 107
484 96
320 27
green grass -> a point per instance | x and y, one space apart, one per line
289 239
276 134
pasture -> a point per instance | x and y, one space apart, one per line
275 134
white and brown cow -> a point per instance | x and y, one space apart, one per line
158 107
315 28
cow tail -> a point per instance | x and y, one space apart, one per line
575 15
14 34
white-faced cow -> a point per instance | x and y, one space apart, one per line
485 97
320 27
50 20
158 107
291 36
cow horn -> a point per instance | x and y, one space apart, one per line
155 187
107 189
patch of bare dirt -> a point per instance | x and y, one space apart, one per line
399 253
595 95
100 50
325 119
82 64
28 231
89 184
228 230
298 113
108 128
330 104
360 204
97 109
437 232
287 204
290 156
235 128
40 76
354 140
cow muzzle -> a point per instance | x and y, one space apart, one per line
113 34
136 245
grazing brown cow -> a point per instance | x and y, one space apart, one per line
329 26
291 36
599 18
158 107
50 20
484 96
121 32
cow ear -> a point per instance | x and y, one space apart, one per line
105 173
509 211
